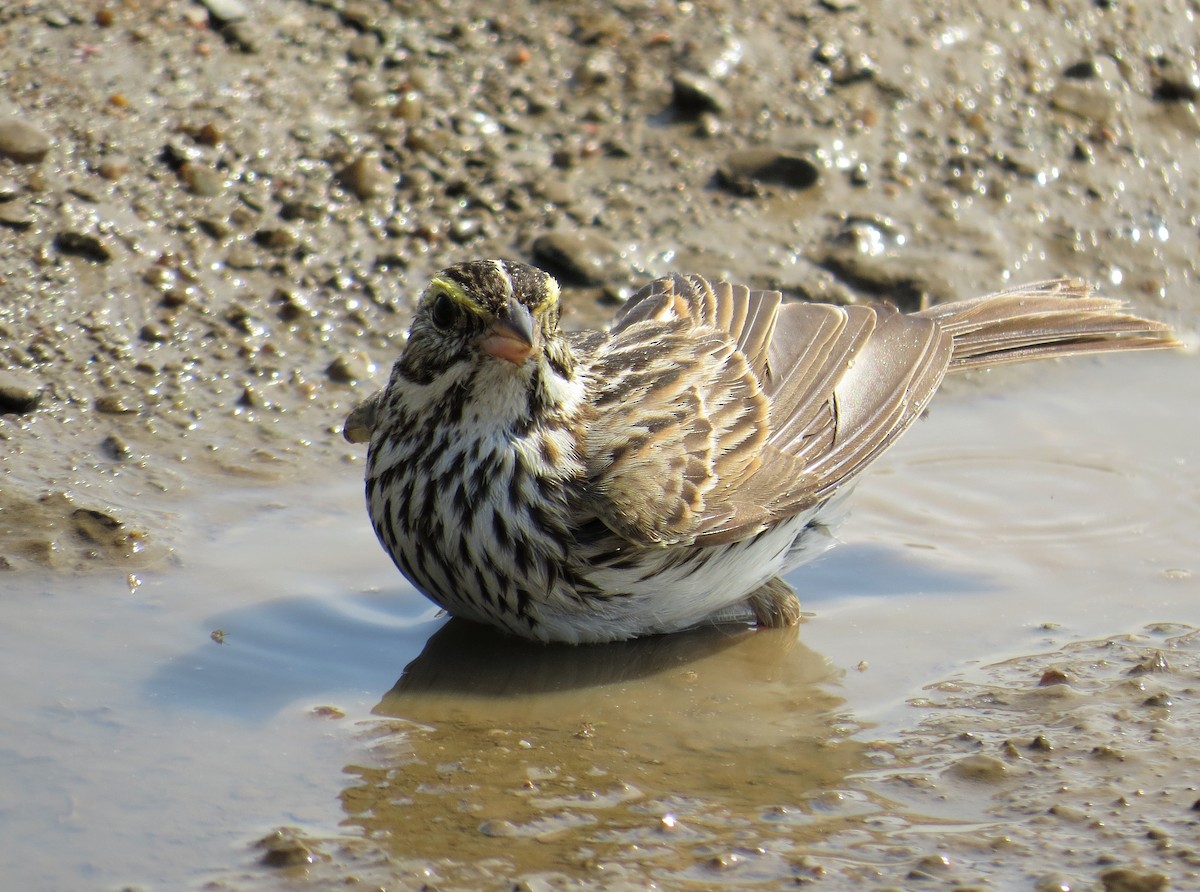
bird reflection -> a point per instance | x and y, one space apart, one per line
573 744
467 658
716 687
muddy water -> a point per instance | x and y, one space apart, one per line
997 685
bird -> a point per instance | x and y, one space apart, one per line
664 473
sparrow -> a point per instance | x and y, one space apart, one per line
602 485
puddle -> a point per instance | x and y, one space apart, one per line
284 677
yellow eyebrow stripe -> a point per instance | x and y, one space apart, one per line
456 292
552 292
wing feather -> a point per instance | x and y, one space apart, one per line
718 411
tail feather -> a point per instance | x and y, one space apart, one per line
1060 317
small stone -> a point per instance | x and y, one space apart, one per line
1177 86
113 167
152 333
116 448
1124 879
980 768
285 848
365 92
208 134
202 180
1052 883
309 210
500 828
363 48
1053 676
709 125
56 18
216 227
242 257
350 367
226 11
581 258
9 189
16 215
745 170
81 244
1083 70
20 392
1092 100
111 404
694 94
242 36
555 191
1153 664
22 142
278 238
365 176
98 527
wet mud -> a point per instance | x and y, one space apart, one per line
214 219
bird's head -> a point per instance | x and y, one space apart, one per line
480 311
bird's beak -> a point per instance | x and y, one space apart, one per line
512 336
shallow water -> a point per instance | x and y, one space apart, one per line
1034 508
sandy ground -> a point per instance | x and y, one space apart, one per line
214 216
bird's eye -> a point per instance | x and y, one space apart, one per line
445 312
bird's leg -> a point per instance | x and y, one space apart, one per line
775 605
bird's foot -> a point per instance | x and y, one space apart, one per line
775 605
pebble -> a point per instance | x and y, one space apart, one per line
9 189
363 48
216 227
1178 86
1092 100
22 142
1052 882
113 167
980 768
116 448
695 94
581 258
81 244
348 368
499 828
20 392
111 404
242 257
1124 879
555 191
365 176
15 214
202 180
56 18
745 169
226 11
283 848
94 525
242 36
867 253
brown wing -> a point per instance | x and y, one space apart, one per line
719 410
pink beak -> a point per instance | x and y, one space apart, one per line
511 335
